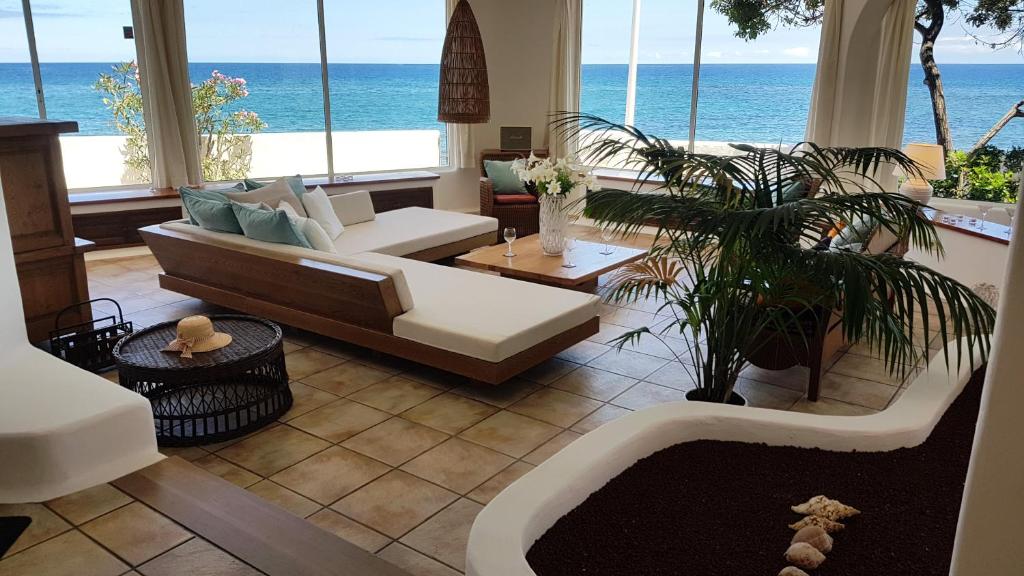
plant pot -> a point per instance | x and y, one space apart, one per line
735 399
554 219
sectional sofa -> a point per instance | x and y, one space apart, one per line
382 291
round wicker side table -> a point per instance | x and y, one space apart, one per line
213 396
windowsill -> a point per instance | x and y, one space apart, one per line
119 195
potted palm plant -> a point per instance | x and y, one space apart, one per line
744 265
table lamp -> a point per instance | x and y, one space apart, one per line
931 164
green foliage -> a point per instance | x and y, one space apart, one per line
990 174
752 276
225 147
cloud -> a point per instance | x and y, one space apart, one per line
797 52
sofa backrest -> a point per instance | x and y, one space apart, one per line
353 207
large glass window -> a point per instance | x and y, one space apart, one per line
88 75
257 91
17 88
383 75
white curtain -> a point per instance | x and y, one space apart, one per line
565 70
890 99
461 152
166 92
821 117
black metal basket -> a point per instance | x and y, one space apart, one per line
89 345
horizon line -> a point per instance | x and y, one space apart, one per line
437 64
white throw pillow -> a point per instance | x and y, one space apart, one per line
313 232
274 195
319 208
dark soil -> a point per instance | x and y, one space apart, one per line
714 508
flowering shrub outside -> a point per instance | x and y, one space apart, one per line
224 143
990 174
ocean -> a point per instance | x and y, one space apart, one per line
738 102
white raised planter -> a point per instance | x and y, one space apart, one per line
507 527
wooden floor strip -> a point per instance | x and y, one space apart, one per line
247 526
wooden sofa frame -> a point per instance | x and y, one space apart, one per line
335 301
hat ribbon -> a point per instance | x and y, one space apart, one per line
185 345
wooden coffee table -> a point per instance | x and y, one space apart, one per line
531 264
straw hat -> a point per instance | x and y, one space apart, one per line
195 334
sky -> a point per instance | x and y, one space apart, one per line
409 32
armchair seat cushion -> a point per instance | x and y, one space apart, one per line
515 199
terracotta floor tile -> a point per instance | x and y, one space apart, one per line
856 391
446 535
304 399
339 420
45 524
583 352
395 441
87 504
486 492
226 470
273 450
381 361
628 363
555 407
342 350
601 416
870 369
458 465
794 378
395 395
395 503
415 563
350 530
830 407
450 413
70 554
511 433
436 377
548 371
284 498
346 378
551 447
645 395
674 375
307 361
189 453
501 395
594 383
136 533
197 557
761 395
330 474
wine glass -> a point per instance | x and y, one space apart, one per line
606 235
1010 212
984 208
510 237
570 245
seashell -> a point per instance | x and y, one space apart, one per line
830 526
815 536
804 555
826 508
792 571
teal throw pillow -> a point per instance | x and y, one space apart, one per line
795 191
268 226
855 236
294 182
215 195
210 213
503 178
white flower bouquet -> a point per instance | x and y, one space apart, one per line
556 178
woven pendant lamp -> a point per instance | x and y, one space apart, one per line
464 96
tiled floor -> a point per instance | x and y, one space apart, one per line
396 457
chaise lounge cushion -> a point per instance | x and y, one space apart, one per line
408 230
469 313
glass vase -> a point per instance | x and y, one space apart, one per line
554 219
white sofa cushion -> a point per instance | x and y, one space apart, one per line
409 230
239 242
272 195
353 207
310 229
482 315
319 208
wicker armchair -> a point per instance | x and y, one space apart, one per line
524 217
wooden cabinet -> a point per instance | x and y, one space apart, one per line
48 257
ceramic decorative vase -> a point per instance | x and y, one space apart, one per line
554 218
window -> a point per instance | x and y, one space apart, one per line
17 88
747 91
257 95
383 75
